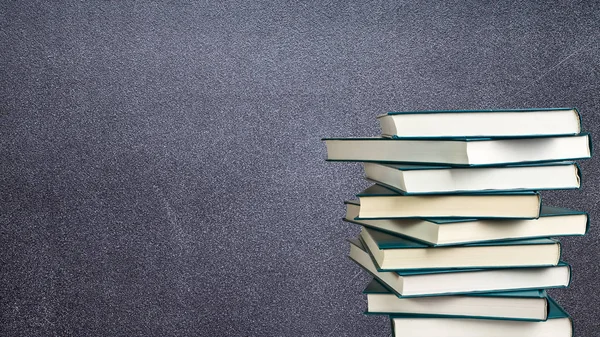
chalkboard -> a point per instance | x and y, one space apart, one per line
161 169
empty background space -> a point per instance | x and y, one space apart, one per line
161 169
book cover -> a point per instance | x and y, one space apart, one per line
530 305
388 241
415 167
546 212
378 190
438 141
555 311
563 124
377 274
376 287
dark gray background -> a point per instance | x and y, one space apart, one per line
161 166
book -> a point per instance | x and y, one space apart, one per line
531 305
396 253
558 324
460 152
428 282
423 179
377 202
481 123
553 221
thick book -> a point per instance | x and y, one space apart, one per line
553 221
460 152
558 324
481 123
428 282
379 202
530 305
393 252
428 179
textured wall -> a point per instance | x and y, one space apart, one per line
161 170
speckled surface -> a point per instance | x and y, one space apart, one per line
161 172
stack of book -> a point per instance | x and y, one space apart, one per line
454 232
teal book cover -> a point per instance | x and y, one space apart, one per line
384 242
416 272
410 272
425 167
419 112
414 167
546 211
538 297
378 190
555 311
457 139
388 241
376 287
486 111
461 140
358 242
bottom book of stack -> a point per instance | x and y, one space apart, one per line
558 324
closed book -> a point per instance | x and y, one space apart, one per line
531 305
393 252
558 324
436 282
553 221
429 179
379 202
460 152
481 123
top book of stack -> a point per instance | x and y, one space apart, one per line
470 138
481 123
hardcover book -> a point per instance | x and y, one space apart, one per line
531 305
553 221
428 179
460 152
558 324
428 282
379 202
481 123
396 253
